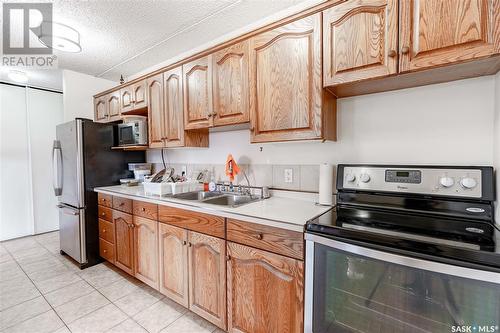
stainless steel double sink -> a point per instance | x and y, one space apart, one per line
218 198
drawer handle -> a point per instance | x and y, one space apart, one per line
259 236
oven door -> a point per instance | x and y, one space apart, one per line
356 289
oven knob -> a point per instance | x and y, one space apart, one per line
468 182
350 178
446 181
365 178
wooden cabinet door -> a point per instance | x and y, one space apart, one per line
285 82
100 109
207 277
265 291
440 32
360 40
197 81
230 85
155 111
126 99
124 241
146 250
114 109
173 263
174 108
139 95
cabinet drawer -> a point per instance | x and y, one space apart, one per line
204 223
277 240
123 204
106 231
105 213
104 199
107 250
145 209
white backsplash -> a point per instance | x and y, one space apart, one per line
305 177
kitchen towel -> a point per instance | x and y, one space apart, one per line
325 184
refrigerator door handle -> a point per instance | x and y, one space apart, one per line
68 210
57 167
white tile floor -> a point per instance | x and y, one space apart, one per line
42 291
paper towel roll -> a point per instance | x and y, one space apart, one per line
325 184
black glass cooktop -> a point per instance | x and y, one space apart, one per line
446 237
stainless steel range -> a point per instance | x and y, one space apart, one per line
406 249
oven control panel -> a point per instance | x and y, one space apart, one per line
439 181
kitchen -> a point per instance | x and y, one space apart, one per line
320 166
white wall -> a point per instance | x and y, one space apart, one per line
45 112
27 129
79 90
449 123
15 181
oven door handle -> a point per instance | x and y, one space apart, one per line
463 272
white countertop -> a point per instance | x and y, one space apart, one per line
283 210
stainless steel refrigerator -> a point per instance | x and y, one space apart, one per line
82 160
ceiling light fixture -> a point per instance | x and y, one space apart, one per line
63 37
18 76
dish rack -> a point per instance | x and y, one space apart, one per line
166 188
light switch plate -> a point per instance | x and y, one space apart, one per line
288 175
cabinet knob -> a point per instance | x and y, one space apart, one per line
143 209
405 50
228 257
210 115
103 231
103 214
189 244
214 114
392 53
184 242
103 200
105 251
252 128
259 236
122 203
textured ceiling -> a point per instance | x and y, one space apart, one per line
126 37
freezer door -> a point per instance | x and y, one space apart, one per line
72 232
68 148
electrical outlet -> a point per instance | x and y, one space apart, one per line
288 175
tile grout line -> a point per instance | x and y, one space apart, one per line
42 295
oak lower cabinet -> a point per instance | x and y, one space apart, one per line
146 250
287 100
441 32
124 241
173 253
265 291
360 41
207 277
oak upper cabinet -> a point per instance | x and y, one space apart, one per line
440 32
114 109
286 94
100 109
124 241
134 96
197 80
360 40
230 85
265 291
207 277
173 253
126 100
174 108
156 131
139 95
146 250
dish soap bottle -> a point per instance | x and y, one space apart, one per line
212 186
